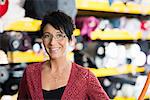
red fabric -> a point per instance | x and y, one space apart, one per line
82 85
3 7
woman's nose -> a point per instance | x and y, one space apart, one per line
53 41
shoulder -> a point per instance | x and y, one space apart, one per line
80 68
82 71
34 67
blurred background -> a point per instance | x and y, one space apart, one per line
112 40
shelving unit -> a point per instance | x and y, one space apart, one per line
100 8
33 25
84 7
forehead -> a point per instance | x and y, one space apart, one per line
50 29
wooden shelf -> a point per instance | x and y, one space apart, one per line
110 71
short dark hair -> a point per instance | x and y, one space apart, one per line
60 21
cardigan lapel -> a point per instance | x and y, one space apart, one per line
75 84
34 84
68 90
39 90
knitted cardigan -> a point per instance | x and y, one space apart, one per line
82 85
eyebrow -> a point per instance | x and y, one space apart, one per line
46 33
51 33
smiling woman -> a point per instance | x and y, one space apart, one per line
58 78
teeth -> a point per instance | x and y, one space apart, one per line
54 49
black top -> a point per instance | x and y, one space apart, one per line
53 94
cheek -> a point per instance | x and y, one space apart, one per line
67 47
45 43
64 44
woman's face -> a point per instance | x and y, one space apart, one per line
55 42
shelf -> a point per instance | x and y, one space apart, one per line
33 25
114 34
29 25
129 98
30 56
26 24
91 5
119 7
101 72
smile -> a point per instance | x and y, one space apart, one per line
54 49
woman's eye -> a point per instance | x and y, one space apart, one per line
59 35
46 36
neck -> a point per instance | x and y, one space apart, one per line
58 65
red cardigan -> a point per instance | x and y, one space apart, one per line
82 85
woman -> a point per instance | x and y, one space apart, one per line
59 78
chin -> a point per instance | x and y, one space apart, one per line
55 56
